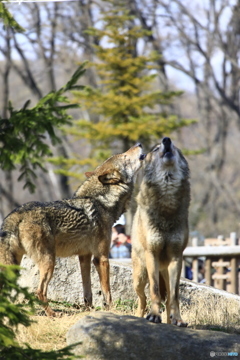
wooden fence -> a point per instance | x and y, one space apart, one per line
222 262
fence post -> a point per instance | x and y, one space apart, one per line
195 241
233 275
220 270
195 261
233 237
208 274
195 269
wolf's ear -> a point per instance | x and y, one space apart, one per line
89 173
110 177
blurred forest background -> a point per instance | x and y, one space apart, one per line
179 76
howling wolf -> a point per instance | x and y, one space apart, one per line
160 230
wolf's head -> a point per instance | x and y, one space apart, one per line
167 158
120 167
165 181
111 184
119 170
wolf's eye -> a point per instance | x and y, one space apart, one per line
156 149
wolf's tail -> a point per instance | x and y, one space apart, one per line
6 256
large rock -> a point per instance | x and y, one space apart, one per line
66 284
104 335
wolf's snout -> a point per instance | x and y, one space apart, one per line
142 156
167 143
167 150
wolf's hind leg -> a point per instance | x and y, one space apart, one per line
8 257
139 283
85 264
46 267
10 254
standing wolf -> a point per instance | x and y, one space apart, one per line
160 231
77 226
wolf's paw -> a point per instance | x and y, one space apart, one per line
154 318
49 312
178 322
106 306
58 314
88 302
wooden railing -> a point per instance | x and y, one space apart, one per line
222 264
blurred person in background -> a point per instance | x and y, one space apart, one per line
121 243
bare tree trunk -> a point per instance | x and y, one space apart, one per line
48 53
6 72
6 196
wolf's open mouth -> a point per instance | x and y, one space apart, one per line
167 153
142 157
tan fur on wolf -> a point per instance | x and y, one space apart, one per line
160 231
77 226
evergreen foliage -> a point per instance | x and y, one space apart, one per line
24 133
129 108
8 19
13 313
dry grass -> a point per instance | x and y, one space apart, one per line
204 312
213 312
47 333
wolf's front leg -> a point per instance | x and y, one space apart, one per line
102 265
85 264
174 270
152 264
139 282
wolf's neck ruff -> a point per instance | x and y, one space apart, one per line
116 202
162 186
